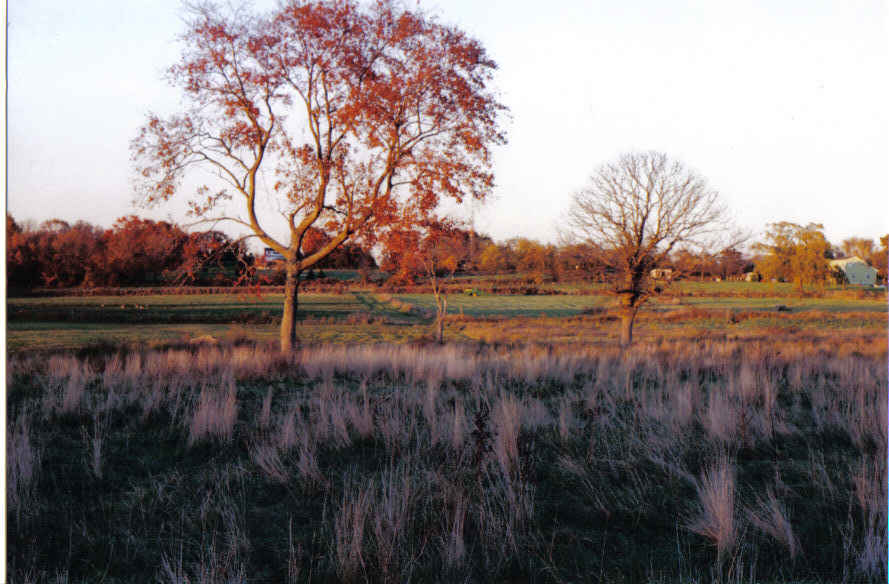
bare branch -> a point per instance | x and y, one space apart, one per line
636 211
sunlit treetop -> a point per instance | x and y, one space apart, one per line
365 116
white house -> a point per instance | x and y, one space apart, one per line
856 270
271 255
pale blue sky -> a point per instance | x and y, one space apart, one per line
781 105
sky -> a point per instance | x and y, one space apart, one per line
782 106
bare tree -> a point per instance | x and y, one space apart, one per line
638 209
858 246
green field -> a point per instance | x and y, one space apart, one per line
795 304
75 322
557 305
71 322
218 308
488 305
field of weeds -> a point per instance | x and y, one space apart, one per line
675 461
75 322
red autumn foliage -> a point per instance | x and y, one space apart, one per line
133 252
139 250
435 247
365 113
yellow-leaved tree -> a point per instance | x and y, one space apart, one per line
794 253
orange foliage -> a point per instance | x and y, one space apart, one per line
366 113
134 251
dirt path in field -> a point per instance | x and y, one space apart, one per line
392 308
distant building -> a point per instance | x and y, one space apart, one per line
271 255
662 274
856 270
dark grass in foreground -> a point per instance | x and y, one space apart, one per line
682 461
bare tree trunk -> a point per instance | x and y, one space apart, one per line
629 306
626 327
442 303
291 304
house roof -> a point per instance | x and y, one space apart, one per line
842 263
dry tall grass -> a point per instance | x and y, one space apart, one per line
770 517
94 440
458 458
215 412
716 521
22 463
350 524
268 459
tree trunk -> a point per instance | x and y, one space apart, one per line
442 311
291 303
629 306
627 317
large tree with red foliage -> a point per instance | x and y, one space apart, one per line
138 251
56 254
363 114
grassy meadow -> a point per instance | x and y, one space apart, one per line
164 439
726 309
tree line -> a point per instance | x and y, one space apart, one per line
133 252
142 252
787 253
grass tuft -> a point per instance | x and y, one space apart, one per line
215 413
716 499
770 517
